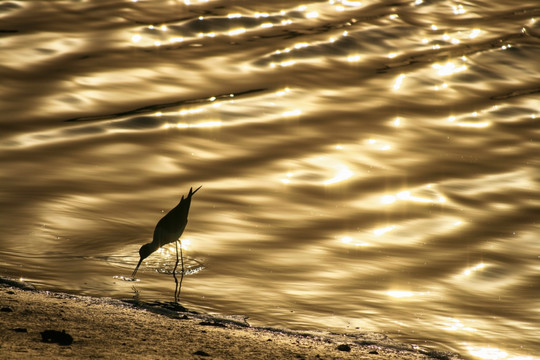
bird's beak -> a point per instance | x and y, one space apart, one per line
136 268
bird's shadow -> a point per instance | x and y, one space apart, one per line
161 307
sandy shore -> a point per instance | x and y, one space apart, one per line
111 329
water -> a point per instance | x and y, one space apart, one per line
366 166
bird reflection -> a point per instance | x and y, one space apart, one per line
168 230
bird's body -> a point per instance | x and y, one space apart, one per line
169 228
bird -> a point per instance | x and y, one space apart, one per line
168 229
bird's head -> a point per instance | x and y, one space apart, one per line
144 252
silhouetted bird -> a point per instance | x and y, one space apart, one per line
168 229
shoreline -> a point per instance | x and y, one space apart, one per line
109 328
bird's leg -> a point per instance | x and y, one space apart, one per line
176 291
181 257
182 265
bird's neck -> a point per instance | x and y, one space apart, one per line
153 246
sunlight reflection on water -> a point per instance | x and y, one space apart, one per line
366 166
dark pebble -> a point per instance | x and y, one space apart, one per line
344 347
6 309
201 353
53 336
374 352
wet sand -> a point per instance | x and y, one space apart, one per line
85 327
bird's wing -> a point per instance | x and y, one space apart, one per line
161 235
172 225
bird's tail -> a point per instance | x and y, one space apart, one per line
191 193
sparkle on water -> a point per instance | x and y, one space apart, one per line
366 164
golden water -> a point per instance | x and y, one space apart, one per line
366 165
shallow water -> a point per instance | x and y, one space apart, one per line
366 166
